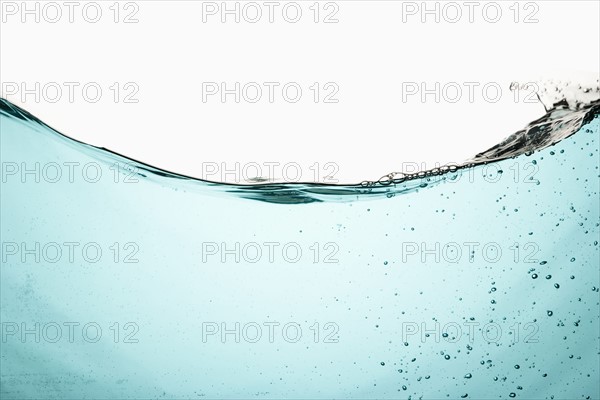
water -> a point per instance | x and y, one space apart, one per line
120 280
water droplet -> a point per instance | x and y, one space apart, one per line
468 376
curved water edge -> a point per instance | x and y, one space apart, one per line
568 107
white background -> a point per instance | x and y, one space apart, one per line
369 53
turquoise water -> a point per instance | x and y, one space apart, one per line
120 280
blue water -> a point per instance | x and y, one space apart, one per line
123 281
